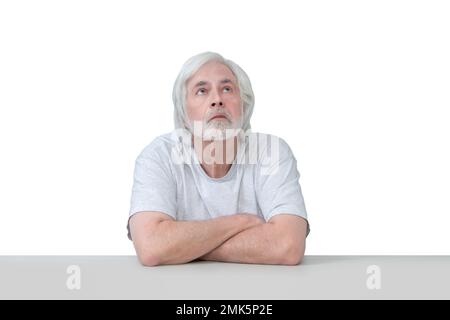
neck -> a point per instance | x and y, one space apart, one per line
215 156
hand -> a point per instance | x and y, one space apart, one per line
247 221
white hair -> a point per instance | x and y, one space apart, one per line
190 67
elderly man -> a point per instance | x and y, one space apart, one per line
212 189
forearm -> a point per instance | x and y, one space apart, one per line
175 242
262 244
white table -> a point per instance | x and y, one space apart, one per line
318 277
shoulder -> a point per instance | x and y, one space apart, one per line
268 146
160 147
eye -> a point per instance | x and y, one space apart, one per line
201 90
229 89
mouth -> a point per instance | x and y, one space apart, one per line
219 117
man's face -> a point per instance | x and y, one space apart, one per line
213 99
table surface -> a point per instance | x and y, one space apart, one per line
318 277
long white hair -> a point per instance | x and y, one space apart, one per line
190 67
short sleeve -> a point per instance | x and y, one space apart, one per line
154 187
278 186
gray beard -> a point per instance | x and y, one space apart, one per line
219 130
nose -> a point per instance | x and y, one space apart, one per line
214 104
216 99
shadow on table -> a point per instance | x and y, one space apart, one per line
310 260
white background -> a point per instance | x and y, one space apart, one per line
358 89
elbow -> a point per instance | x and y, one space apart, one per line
149 259
292 253
150 247
293 259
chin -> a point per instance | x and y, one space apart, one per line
219 131
216 130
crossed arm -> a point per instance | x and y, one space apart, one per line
242 238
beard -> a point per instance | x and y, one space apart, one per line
216 129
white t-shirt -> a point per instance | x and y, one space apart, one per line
262 180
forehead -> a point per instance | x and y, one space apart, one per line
211 72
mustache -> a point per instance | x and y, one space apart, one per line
220 113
